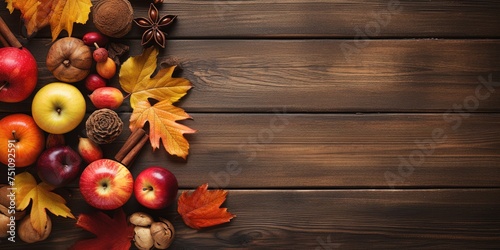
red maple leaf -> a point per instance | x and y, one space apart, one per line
112 233
201 208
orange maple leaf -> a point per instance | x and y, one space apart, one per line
202 208
59 14
136 77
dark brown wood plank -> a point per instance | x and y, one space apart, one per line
327 219
305 19
325 18
315 75
288 150
332 151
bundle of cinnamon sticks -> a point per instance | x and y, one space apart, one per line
132 147
7 38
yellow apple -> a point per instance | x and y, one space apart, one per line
58 107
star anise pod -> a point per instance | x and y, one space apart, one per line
155 26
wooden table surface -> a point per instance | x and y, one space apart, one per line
333 124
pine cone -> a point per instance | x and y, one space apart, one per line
103 126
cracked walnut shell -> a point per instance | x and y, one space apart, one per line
163 233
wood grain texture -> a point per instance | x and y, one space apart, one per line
326 219
297 151
319 19
334 124
316 76
331 151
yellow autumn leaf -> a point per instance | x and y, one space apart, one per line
59 14
162 119
136 77
42 199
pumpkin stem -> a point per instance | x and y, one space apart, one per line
66 63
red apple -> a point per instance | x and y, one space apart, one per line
94 81
106 184
21 140
155 187
107 97
18 74
58 165
89 150
93 37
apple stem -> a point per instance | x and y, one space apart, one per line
58 110
14 135
147 189
4 84
96 45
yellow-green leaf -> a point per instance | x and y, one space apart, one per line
42 199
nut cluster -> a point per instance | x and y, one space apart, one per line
150 233
103 126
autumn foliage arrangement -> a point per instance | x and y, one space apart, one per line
152 93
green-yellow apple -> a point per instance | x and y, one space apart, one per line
21 140
18 74
58 107
155 187
106 184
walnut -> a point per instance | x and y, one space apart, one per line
143 238
141 219
163 233
113 17
103 126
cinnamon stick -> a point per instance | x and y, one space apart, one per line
8 35
3 41
134 140
134 151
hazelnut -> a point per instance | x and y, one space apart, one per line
141 219
29 235
163 233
